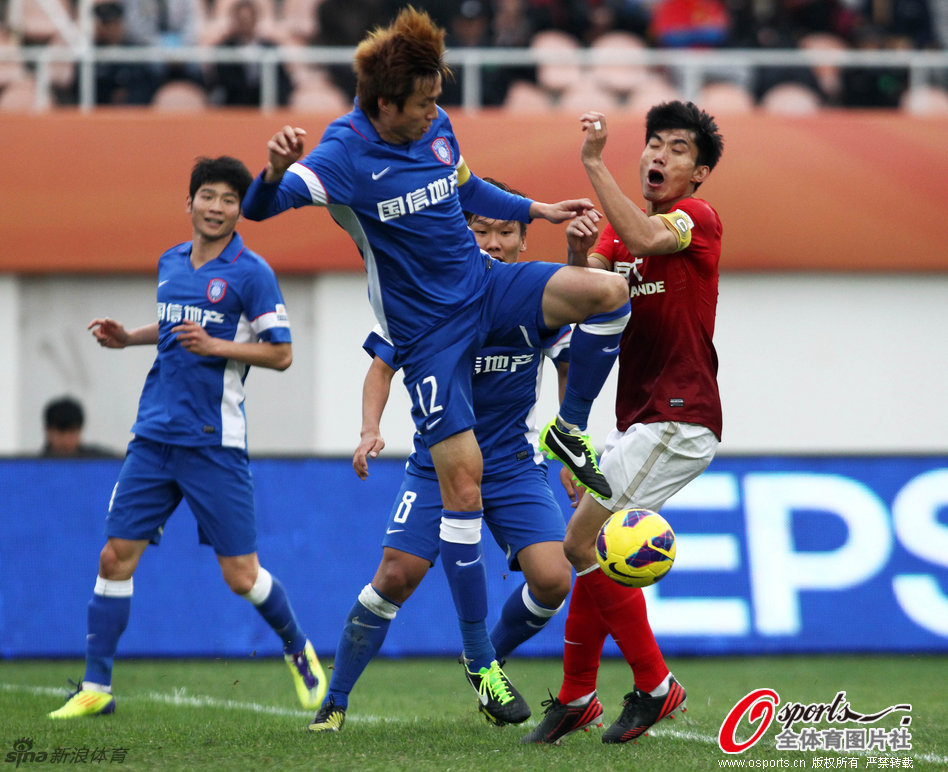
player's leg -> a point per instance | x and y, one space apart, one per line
410 546
598 301
218 486
398 575
530 606
142 500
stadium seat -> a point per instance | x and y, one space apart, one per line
725 97
525 97
586 94
567 70
620 78
180 96
318 95
924 100
20 96
791 99
654 90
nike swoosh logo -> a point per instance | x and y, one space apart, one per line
536 626
612 350
394 530
482 698
163 282
376 175
432 424
355 621
572 643
469 563
579 461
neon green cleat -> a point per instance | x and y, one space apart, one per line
308 677
574 450
329 718
497 698
86 702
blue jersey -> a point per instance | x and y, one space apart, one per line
194 400
403 206
506 386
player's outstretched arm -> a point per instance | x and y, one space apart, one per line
581 235
112 334
274 356
375 392
561 210
285 148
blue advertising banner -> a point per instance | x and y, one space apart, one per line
775 554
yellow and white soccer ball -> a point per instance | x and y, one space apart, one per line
635 547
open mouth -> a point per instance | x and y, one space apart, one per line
655 177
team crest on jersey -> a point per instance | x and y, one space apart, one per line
216 289
442 151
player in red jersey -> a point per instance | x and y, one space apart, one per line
668 410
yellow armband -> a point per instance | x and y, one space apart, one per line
679 223
464 174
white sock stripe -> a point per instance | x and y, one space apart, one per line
610 327
111 588
593 567
535 608
261 588
459 531
370 598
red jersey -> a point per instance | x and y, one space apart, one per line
667 364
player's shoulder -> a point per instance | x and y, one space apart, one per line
699 209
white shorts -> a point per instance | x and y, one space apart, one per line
648 463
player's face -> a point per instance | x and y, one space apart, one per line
412 121
669 168
500 239
214 210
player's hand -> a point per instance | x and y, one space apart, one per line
561 210
594 125
109 333
573 492
194 338
370 446
285 148
582 232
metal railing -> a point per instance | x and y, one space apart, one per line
690 68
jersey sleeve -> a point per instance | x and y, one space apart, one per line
377 345
264 306
488 200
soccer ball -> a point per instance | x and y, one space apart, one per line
635 547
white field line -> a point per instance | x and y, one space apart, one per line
180 698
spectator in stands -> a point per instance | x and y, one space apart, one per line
119 83
344 23
63 421
239 83
470 27
166 23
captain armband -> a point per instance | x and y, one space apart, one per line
464 174
679 223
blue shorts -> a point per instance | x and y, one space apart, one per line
215 481
519 509
438 367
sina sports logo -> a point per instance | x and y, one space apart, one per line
23 752
216 289
442 151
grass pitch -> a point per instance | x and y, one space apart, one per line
420 714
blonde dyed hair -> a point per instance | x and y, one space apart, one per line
392 62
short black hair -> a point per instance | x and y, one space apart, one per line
63 413
231 171
108 11
507 189
687 115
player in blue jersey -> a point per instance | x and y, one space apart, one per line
391 174
519 509
220 311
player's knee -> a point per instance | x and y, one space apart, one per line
551 588
253 585
579 552
615 291
113 565
396 580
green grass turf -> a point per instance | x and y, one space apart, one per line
419 714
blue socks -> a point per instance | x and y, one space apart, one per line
467 578
107 617
271 601
592 352
523 616
362 636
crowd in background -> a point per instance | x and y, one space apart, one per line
661 24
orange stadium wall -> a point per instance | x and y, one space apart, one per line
853 191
